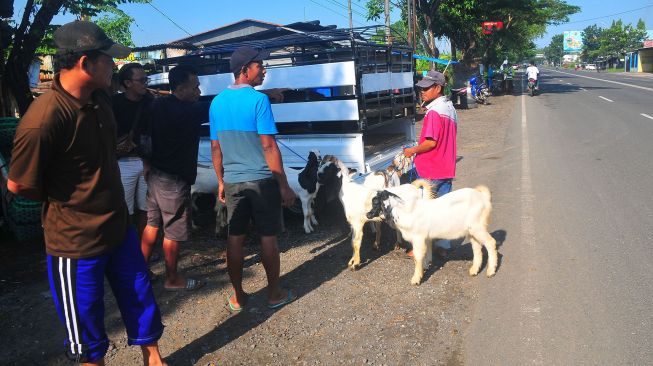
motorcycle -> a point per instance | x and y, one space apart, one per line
479 90
531 86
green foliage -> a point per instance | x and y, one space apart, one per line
612 42
554 51
460 21
117 27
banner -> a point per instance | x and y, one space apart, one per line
572 41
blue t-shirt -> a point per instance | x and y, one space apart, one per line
238 115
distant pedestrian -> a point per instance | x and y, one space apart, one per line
435 155
131 108
174 125
251 179
65 155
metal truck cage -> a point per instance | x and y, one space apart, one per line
349 92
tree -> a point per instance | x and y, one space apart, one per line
619 38
460 21
28 35
592 36
117 26
554 51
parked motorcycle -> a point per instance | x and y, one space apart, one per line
531 86
479 90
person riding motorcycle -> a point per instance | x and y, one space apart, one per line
532 72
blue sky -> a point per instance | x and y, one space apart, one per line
196 16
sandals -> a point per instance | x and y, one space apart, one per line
233 307
292 296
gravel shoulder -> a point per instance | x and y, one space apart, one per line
369 316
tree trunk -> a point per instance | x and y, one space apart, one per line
24 49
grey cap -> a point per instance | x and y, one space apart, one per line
244 55
432 78
81 36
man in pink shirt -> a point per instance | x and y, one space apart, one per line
435 155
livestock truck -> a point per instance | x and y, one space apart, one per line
347 93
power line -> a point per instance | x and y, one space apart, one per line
333 11
611 15
171 21
346 7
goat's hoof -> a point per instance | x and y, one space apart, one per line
490 274
415 281
473 273
354 267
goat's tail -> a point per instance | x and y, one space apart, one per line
487 209
426 185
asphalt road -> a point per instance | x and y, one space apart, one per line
572 191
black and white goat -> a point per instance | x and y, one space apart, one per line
356 200
463 212
304 183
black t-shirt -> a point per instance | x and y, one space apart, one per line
125 112
175 129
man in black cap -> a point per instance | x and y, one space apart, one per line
65 155
435 155
251 179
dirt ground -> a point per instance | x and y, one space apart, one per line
370 316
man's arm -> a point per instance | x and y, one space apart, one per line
426 146
216 156
273 158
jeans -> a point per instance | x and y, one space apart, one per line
440 188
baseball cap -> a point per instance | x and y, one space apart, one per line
244 55
432 78
81 36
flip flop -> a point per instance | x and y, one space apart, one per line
191 285
290 298
233 308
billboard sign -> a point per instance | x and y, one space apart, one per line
572 41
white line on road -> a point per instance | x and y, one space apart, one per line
604 98
568 83
531 331
583 89
607 81
646 115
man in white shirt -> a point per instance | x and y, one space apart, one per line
532 71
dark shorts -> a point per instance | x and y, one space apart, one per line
169 205
77 287
259 200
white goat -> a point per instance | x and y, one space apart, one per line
356 200
461 213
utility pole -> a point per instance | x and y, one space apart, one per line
351 20
388 34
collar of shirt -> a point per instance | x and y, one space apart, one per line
239 86
440 99
56 86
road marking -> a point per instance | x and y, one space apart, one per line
583 89
646 115
607 81
568 83
530 317
604 98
